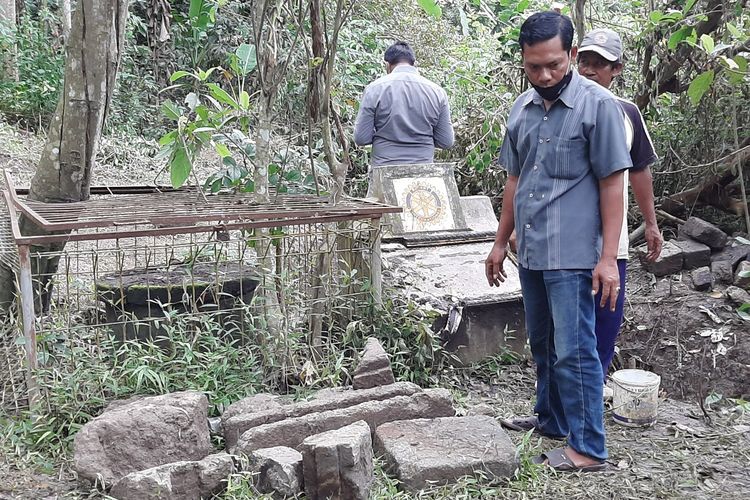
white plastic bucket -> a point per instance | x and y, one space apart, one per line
635 397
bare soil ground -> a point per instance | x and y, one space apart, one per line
699 448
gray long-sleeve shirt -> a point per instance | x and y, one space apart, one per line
405 117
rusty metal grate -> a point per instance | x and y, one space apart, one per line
172 212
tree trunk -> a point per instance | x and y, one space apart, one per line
8 67
66 20
64 171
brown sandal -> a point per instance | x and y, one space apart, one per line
561 462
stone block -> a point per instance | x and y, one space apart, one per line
141 434
279 470
238 424
722 271
292 431
338 463
733 254
374 367
742 276
252 404
737 295
702 278
191 480
439 451
668 262
699 230
694 254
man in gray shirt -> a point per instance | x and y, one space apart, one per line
565 153
402 114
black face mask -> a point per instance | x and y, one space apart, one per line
553 92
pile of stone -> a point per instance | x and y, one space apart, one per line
160 447
708 253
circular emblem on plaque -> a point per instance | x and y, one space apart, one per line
424 203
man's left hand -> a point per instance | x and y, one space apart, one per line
607 277
654 242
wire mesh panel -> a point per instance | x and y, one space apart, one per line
130 266
13 391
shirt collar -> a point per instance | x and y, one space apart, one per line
405 68
567 97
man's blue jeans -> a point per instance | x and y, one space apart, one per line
560 325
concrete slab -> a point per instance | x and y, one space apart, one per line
445 275
477 320
478 213
423 452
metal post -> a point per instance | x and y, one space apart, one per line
29 319
376 266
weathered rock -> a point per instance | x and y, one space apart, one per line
252 404
694 254
292 431
215 427
441 450
338 463
481 409
668 262
742 276
177 481
374 367
704 232
142 434
734 254
737 295
235 426
722 271
702 278
279 470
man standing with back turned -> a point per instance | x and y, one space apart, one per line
402 114
565 153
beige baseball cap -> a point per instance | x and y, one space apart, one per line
604 42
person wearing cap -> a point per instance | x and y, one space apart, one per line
402 114
600 60
565 153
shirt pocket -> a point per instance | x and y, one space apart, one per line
570 158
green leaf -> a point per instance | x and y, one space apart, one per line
222 96
431 7
246 58
734 31
656 16
688 5
168 138
179 167
244 100
195 8
223 150
700 85
170 110
178 74
678 36
708 43
737 77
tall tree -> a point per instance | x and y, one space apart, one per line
8 68
64 171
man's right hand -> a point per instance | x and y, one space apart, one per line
493 265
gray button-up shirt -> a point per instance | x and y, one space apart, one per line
404 116
559 156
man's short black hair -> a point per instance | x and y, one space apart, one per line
399 52
544 26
